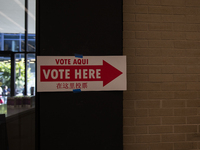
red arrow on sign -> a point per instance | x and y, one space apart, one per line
109 73
105 73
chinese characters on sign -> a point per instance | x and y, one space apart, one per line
71 85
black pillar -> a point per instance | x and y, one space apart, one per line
86 120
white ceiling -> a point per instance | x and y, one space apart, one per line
12 15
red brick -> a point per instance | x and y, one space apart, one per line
154 2
193 120
193 137
128 104
173 69
135 130
135 9
131 86
129 51
160 95
193 69
149 2
160 112
128 17
148 138
173 35
148 69
173 120
135 146
138 77
128 139
135 112
148 104
186 61
186 95
160 10
161 146
141 2
173 103
185 112
186 27
186 44
128 121
150 52
173 52
161 43
160 60
130 95
128 2
160 129
134 26
173 2
131 69
193 19
174 18
128 35
192 52
185 145
180 11
147 87
160 77
173 137
192 35
193 103
161 27
185 129
132 43
148 18
148 121
173 86
185 78
193 3
148 35
131 60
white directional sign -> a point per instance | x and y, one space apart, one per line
89 73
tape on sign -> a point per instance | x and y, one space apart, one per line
78 55
76 90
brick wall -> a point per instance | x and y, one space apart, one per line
161 39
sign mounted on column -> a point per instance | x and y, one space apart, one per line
90 73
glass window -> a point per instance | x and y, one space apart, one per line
19 74
11 36
5 76
0 42
31 46
22 45
31 25
12 14
31 74
11 45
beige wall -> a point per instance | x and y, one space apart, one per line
161 39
